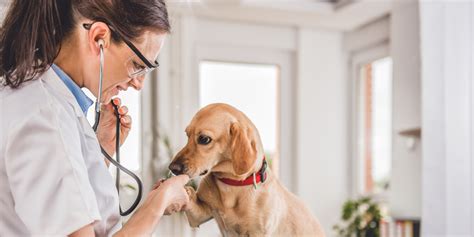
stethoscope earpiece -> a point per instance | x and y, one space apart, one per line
101 43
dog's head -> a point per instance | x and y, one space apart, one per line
220 139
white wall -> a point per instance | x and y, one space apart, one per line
322 125
405 190
447 36
400 31
368 36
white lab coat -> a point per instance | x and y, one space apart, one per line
53 178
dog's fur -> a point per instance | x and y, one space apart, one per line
236 152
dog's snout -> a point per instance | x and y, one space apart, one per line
177 168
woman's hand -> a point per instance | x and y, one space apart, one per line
174 194
106 129
170 192
179 204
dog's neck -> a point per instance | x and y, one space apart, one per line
253 179
225 169
229 195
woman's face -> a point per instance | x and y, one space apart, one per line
118 57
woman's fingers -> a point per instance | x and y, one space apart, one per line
176 197
126 121
181 179
157 184
178 181
123 110
117 101
107 107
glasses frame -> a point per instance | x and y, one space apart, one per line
150 65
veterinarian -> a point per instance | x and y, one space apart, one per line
54 180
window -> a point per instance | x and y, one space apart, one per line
251 88
375 126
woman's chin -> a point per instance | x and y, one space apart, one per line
108 95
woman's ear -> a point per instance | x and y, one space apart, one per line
99 31
243 149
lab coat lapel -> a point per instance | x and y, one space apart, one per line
51 78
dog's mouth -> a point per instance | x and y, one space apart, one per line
204 173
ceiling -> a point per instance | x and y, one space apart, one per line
341 15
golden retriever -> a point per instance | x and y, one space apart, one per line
223 144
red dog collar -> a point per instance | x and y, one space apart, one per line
257 177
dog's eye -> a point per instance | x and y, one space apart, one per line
204 140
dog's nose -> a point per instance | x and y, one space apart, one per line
177 168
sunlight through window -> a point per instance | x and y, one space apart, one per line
375 125
251 88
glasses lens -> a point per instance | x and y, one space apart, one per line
136 69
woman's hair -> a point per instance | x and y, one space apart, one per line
33 30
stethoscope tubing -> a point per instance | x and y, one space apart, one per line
117 144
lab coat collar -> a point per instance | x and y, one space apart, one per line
82 99
51 78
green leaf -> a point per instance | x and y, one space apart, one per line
347 210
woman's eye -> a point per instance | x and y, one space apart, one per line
204 140
138 66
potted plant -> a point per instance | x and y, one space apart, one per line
360 218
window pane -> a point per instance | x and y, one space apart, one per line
251 88
382 122
375 125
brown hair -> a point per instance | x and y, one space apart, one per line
32 32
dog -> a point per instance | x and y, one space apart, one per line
238 190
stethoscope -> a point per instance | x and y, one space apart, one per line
117 140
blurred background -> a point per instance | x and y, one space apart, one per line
341 92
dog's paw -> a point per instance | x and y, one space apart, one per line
191 193
192 198
172 209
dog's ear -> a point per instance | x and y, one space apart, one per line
243 149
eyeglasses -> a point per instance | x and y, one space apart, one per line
134 69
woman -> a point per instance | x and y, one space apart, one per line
53 178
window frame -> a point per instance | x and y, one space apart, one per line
285 102
276 153
357 61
